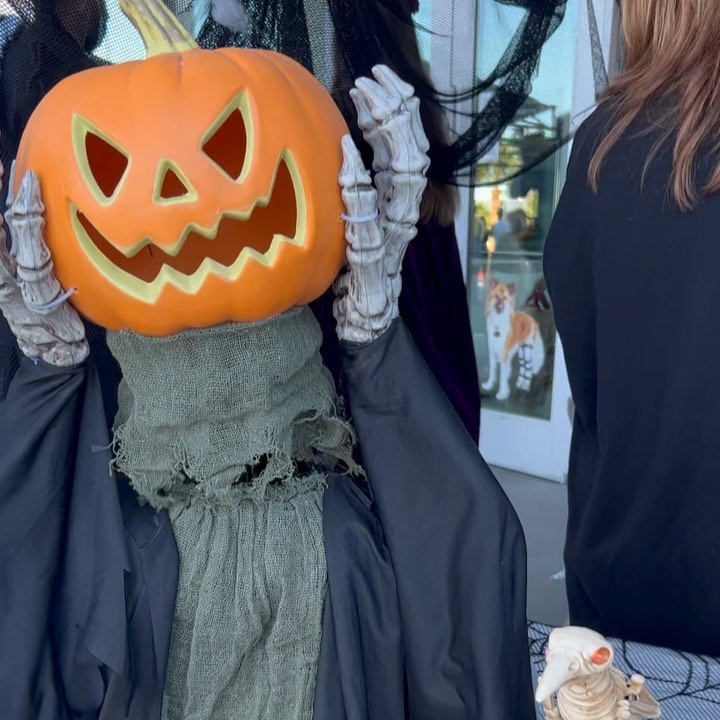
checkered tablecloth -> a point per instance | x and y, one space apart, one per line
687 686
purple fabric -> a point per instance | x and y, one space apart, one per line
433 306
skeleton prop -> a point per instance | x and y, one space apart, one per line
580 682
274 571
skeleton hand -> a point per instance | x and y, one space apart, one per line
31 299
636 686
641 702
381 219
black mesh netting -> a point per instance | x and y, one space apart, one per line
468 97
339 40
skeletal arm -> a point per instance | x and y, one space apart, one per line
45 325
381 217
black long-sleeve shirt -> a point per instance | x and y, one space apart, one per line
635 285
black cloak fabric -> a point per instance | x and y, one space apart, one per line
634 285
87 576
425 616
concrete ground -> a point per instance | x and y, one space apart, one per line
542 508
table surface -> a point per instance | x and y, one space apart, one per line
687 686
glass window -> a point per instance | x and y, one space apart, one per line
512 323
423 22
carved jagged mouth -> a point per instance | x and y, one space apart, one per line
236 238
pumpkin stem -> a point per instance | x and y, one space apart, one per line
160 30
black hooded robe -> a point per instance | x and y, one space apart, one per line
425 613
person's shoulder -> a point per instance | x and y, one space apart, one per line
590 132
596 122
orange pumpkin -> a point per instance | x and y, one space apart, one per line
190 188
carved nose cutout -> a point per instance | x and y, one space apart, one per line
172 186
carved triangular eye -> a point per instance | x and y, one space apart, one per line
228 143
102 161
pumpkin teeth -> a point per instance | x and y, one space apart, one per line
222 250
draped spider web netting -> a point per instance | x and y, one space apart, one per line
472 63
469 94
576 64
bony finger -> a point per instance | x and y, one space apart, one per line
405 99
360 207
382 103
34 264
25 220
417 135
369 127
28 202
365 119
392 83
353 170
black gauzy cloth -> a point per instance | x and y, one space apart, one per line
634 284
41 66
425 616
87 576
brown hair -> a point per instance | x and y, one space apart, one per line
672 58
440 200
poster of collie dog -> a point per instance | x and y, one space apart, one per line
510 334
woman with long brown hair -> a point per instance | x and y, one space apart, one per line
632 264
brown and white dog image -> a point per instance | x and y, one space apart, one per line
511 333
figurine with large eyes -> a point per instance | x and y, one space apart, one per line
580 682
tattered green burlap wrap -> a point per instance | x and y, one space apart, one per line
232 429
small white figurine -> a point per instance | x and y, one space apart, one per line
580 682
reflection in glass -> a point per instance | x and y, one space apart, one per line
512 322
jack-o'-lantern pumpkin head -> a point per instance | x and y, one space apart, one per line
191 188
